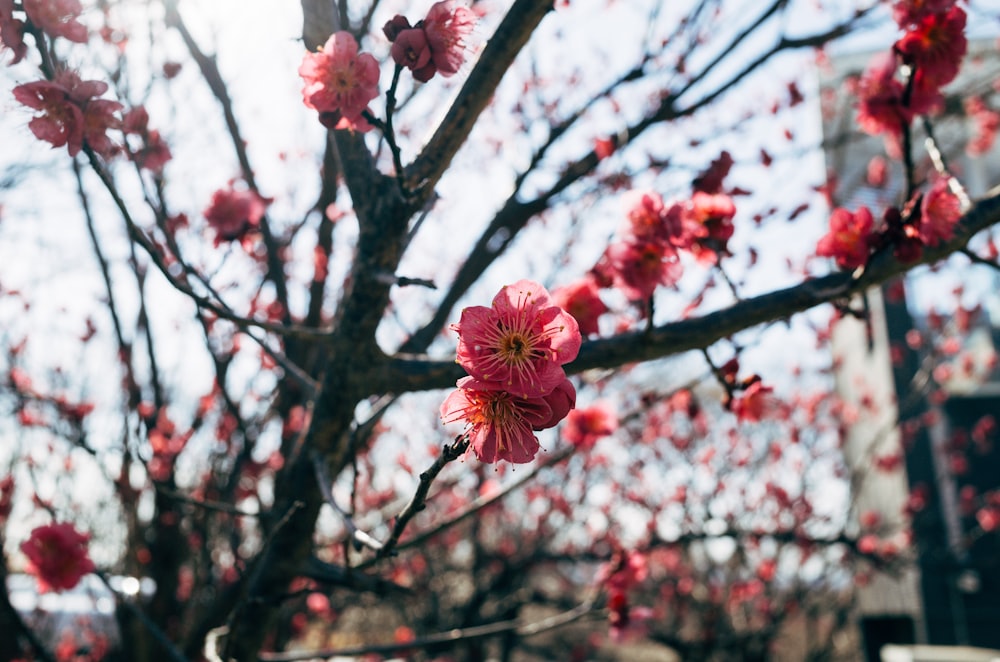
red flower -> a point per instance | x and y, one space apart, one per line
57 556
936 45
581 300
584 427
939 212
910 12
501 425
638 267
232 213
848 239
521 342
880 98
70 113
340 80
446 26
756 402
57 18
410 49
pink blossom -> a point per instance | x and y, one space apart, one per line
939 212
57 18
911 12
340 80
57 556
69 112
521 342
936 45
410 49
584 427
880 98
638 267
233 213
986 122
755 403
12 31
582 301
446 26
500 425
708 221
848 239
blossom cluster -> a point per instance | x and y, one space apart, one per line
514 352
57 556
435 44
931 48
55 18
896 87
928 221
647 252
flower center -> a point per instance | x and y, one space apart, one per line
515 348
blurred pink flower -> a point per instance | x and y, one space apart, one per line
939 212
57 18
232 213
57 556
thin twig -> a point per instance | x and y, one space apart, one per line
417 503
161 637
450 637
483 502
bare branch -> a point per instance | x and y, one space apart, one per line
508 40
404 373
451 637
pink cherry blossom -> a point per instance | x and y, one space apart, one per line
69 113
939 212
936 45
500 425
340 80
880 98
848 239
446 26
12 32
584 427
410 49
521 342
57 556
755 403
57 18
581 300
910 12
233 213
639 267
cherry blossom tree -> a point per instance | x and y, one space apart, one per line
438 330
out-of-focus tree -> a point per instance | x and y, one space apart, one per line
232 297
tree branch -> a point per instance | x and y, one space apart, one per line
408 373
451 637
508 40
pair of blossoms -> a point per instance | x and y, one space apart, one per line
514 352
339 82
930 52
